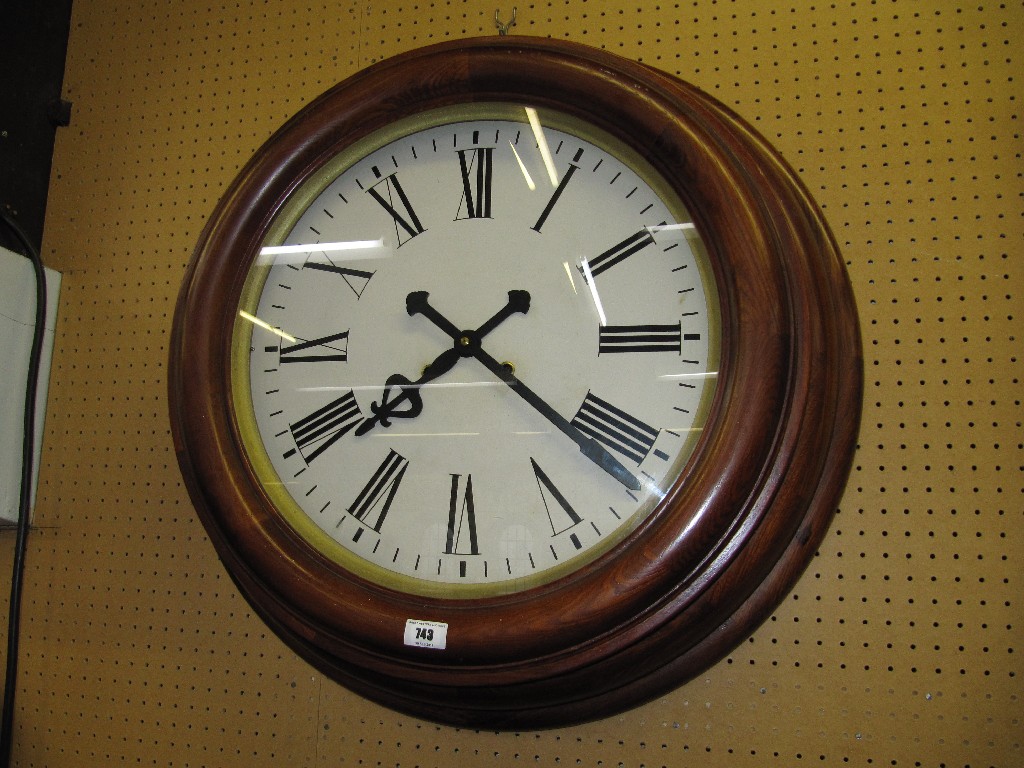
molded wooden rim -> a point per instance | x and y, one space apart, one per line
731 536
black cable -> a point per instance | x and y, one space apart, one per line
28 451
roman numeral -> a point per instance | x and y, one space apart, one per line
333 348
640 338
461 519
374 502
396 203
618 252
476 167
355 279
614 428
560 513
557 193
322 428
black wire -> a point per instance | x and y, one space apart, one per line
28 450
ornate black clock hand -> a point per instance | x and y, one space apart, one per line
416 303
590 448
409 392
469 345
518 301
465 342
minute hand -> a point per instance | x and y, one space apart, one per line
590 448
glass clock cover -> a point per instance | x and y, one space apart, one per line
476 350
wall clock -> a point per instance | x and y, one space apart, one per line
514 382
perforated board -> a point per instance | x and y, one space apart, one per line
900 645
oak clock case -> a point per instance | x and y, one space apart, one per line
514 382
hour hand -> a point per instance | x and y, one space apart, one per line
416 304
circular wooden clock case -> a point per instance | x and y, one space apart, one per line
718 517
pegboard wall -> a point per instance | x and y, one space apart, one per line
901 644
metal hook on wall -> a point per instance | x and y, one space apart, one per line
503 27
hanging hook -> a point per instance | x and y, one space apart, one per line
503 28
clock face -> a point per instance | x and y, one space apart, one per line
475 351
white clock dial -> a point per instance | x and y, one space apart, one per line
477 353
